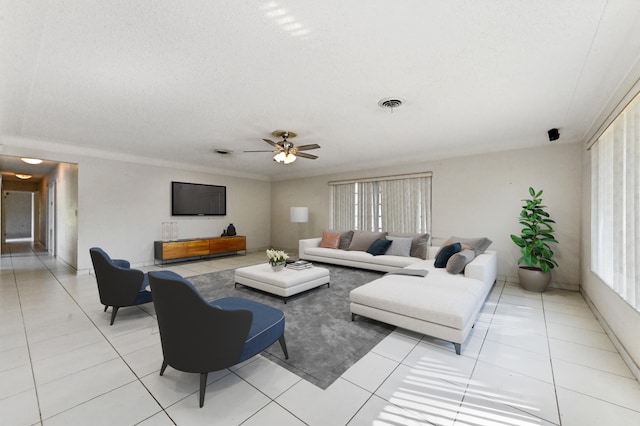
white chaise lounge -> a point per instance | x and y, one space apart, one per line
441 304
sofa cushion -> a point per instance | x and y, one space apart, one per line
330 240
400 246
458 261
361 257
345 240
479 245
363 239
445 253
379 247
440 297
419 243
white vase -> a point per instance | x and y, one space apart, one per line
277 266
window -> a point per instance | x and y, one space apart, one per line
615 205
393 203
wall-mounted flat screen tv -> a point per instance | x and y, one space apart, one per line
197 199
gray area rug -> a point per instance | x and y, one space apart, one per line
322 340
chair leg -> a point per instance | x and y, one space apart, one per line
283 345
164 367
203 387
114 312
106 307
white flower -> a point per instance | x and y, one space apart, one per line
276 256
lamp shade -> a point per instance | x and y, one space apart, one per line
299 214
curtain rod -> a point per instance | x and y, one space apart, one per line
380 178
615 113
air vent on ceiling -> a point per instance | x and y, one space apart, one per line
390 103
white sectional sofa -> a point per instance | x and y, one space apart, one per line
310 249
440 304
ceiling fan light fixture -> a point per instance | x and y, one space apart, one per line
289 158
23 176
284 157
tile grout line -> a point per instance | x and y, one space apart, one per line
110 344
26 335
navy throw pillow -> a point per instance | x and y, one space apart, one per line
445 253
379 247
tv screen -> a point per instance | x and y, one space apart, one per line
196 199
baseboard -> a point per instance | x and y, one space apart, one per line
554 284
635 370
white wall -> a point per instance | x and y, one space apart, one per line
472 196
121 207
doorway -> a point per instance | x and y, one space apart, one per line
19 217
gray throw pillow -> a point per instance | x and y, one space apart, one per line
458 261
363 239
479 245
400 246
345 240
419 245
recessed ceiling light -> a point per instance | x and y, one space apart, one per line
23 176
32 160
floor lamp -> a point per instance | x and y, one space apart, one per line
299 215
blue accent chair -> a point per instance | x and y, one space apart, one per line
118 284
199 336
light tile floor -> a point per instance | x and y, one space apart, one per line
532 359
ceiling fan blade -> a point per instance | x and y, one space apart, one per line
307 147
304 155
260 150
273 143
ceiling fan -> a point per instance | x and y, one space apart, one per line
286 152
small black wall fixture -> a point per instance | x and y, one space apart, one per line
553 134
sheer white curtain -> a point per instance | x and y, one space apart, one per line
406 204
343 207
615 205
396 204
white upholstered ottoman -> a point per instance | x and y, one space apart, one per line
285 283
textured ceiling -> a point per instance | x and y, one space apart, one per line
173 80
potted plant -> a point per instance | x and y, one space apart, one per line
536 235
277 259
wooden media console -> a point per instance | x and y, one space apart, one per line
198 247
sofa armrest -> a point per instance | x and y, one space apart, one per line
308 243
484 267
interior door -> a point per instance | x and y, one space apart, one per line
51 218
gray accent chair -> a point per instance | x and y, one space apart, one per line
118 284
199 336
